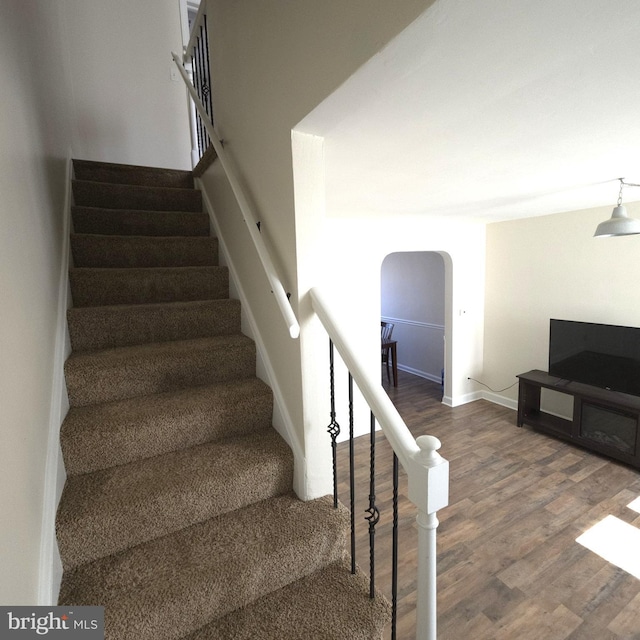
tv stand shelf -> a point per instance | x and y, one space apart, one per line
604 421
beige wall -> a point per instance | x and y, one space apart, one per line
35 134
552 267
126 107
78 76
273 62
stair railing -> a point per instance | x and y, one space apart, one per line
250 219
196 60
427 472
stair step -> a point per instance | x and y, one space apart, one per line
127 196
132 174
125 325
115 433
91 250
331 604
115 374
94 287
139 223
108 511
177 514
210 569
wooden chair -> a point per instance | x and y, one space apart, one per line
386 329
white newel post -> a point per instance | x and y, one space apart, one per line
429 491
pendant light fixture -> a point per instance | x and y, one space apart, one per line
620 224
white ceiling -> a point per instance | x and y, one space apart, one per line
492 109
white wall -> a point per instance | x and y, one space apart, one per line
353 275
273 63
35 134
126 107
552 267
412 290
344 256
343 252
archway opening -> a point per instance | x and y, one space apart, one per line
413 299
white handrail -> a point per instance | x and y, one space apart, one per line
248 216
393 426
427 471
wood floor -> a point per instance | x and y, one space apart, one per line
508 563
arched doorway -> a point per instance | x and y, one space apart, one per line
412 287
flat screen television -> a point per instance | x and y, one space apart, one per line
602 355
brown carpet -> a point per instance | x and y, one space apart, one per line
177 514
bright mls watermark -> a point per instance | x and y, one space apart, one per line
25 623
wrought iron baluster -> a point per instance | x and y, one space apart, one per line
334 427
204 80
394 559
209 82
201 88
374 513
196 83
352 480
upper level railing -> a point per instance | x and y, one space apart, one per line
196 59
427 471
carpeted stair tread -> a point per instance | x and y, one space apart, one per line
114 433
132 174
107 511
127 196
115 374
174 585
93 287
93 250
177 514
123 325
139 223
330 604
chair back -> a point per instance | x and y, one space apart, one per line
386 329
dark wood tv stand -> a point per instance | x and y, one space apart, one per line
604 421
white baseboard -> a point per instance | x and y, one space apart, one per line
282 421
50 570
509 403
462 399
420 374
481 395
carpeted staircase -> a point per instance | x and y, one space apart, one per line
178 514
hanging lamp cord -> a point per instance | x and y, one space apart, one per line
620 194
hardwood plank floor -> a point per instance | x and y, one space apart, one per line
508 563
